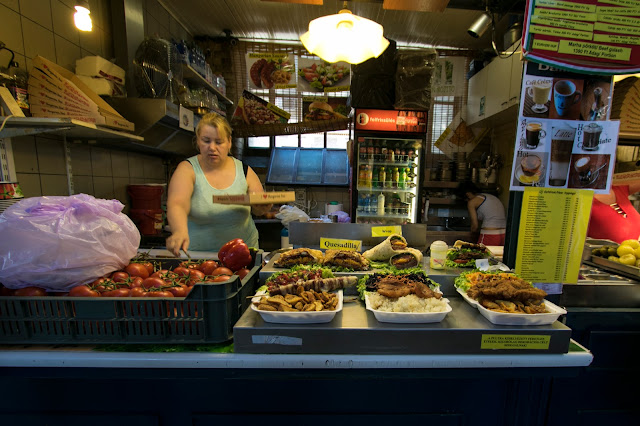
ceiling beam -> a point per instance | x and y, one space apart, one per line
416 5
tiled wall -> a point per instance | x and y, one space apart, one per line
46 28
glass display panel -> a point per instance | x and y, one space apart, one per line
336 167
282 165
309 166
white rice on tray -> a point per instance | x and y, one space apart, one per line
409 303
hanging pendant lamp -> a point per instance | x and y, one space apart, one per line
344 37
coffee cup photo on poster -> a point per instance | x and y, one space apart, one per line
533 135
565 98
529 168
537 96
596 100
562 140
591 135
589 171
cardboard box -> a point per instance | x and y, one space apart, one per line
275 197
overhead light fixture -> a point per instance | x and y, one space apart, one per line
344 37
82 16
482 24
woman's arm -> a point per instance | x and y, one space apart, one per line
472 207
253 181
179 206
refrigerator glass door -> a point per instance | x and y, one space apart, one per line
387 180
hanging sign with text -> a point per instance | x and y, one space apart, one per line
600 36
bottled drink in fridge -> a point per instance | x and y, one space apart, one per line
402 177
396 177
362 176
380 204
362 152
374 180
369 178
382 177
373 201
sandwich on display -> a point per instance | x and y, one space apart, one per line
464 254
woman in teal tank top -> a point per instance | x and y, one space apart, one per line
196 222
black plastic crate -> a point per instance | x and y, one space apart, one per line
206 315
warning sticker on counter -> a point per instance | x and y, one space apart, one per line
515 341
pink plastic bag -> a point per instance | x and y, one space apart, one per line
59 242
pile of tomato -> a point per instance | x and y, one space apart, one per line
143 279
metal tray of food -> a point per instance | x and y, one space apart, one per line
626 270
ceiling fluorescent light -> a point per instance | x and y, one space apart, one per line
82 17
344 37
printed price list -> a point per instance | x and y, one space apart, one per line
553 227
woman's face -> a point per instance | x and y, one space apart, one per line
213 145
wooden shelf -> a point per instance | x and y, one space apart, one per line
192 76
254 130
74 129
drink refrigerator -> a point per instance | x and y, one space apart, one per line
388 156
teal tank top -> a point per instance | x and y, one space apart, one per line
211 225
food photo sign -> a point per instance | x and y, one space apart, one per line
323 108
564 138
270 70
316 75
599 36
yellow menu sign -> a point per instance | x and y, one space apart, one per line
385 231
339 244
553 228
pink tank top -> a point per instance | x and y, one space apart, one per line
616 224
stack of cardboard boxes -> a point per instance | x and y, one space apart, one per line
57 92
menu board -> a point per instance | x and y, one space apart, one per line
601 36
316 75
553 228
564 138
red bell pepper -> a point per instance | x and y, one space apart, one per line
222 253
238 257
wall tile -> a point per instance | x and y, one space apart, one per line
82 184
136 169
80 159
10 31
37 40
67 53
51 156
11 4
155 9
152 26
24 154
54 184
120 164
91 41
120 190
153 168
30 184
63 24
101 162
103 187
39 11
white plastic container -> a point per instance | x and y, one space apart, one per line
438 254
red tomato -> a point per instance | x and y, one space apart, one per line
157 293
166 275
137 292
178 290
208 266
30 291
189 264
181 271
221 271
195 276
242 273
149 266
118 292
137 270
221 278
119 276
134 282
83 291
4 291
153 282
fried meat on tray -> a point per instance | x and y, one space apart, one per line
507 293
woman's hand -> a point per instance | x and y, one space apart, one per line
260 209
178 241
